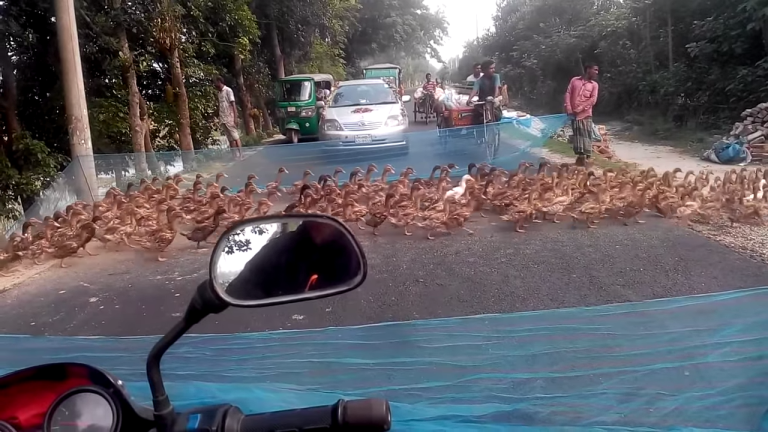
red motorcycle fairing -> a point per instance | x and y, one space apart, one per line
27 395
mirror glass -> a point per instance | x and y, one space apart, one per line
282 259
406 98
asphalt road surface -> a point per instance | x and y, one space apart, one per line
495 271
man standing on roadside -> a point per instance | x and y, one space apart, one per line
478 72
580 97
228 117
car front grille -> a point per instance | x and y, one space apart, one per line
361 126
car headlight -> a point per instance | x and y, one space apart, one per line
395 121
331 125
307 112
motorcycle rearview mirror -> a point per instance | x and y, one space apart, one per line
406 98
286 259
261 262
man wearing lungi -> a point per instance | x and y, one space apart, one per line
579 100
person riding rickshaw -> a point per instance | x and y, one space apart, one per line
485 87
425 98
487 108
429 92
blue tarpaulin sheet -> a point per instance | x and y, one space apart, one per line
518 139
692 363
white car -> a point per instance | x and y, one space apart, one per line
365 114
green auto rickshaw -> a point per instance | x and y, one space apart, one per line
390 73
300 102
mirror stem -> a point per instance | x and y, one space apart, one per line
201 306
163 409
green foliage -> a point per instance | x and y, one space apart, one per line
26 169
718 52
325 58
110 131
253 140
396 28
203 101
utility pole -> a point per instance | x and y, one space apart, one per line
79 128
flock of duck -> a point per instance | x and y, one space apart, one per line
150 217
520 198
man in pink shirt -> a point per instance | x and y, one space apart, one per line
580 97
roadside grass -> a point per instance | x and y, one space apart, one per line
563 148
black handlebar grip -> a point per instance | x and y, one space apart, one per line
366 414
370 415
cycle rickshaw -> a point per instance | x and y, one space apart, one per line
424 106
457 123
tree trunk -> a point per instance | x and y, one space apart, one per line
275 42
78 126
265 119
182 108
134 97
10 97
669 34
245 95
154 165
764 24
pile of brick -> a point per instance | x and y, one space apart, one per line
754 129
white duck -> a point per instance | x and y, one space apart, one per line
459 190
760 193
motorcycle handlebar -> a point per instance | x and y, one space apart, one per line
372 415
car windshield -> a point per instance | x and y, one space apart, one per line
363 94
295 91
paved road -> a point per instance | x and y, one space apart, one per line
495 271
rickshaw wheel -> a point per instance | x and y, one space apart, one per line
292 135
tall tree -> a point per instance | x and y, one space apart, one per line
167 33
229 32
406 27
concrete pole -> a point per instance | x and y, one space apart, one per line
74 98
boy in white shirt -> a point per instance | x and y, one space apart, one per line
476 74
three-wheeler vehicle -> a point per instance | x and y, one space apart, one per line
299 107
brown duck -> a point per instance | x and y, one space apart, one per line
202 232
